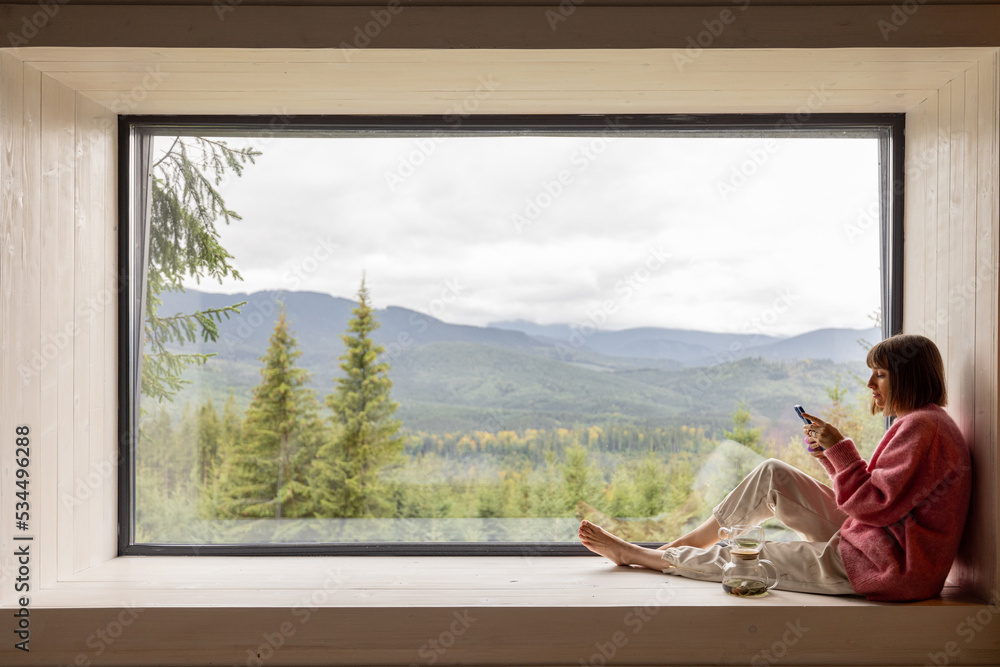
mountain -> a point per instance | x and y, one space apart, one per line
454 377
702 348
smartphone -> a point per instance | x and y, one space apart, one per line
799 410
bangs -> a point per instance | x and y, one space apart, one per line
878 356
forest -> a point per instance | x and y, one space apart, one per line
292 468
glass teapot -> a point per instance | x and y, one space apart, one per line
746 574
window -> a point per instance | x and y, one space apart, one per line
517 267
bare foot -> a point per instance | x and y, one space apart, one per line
617 550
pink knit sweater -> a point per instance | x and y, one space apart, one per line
906 508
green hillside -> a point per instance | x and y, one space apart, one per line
456 386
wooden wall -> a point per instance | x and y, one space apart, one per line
950 282
58 317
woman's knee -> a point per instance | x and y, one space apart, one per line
777 470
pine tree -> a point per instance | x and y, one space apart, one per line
742 433
367 439
209 436
183 243
262 478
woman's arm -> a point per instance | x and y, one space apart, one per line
906 471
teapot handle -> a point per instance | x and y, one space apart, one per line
774 579
724 534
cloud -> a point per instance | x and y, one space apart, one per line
601 206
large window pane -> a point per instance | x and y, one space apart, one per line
611 326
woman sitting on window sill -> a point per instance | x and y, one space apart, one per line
889 529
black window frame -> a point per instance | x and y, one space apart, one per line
889 128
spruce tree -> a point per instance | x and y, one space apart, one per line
367 437
281 419
184 243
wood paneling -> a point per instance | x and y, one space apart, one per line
11 296
335 81
65 235
748 25
950 294
57 231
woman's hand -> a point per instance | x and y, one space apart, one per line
820 434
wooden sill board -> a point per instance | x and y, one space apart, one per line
495 610
399 582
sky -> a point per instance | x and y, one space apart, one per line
763 235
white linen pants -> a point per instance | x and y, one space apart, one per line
807 507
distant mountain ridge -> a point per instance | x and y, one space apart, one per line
450 377
322 318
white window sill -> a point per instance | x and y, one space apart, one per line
390 610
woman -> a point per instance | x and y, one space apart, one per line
888 529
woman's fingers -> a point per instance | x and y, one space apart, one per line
814 420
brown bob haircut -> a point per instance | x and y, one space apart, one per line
916 373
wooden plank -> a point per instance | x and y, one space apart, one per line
31 317
107 532
966 291
917 150
753 62
544 635
52 342
717 59
955 347
92 175
763 101
982 536
942 219
930 197
83 268
509 27
432 3
58 118
963 394
11 297
603 77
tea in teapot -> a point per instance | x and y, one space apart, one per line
746 574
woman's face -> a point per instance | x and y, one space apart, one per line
879 384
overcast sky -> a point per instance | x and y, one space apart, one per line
715 234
